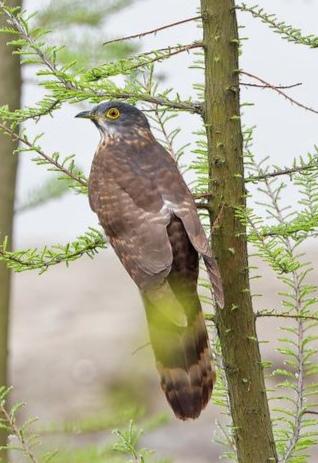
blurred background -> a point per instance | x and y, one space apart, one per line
76 332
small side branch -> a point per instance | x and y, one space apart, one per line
20 27
33 259
279 91
152 31
195 107
287 32
9 421
204 206
163 53
281 87
296 316
76 88
267 175
204 195
280 172
59 166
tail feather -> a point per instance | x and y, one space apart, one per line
183 359
177 329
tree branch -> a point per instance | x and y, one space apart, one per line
50 159
281 87
266 175
204 206
279 172
22 30
286 31
152 31
277 89
204 195
25 447
71 86
195 107
42 259
170 51
299 302
285 315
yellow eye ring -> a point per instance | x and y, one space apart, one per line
112 113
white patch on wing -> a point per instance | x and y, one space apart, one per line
165 212
168 208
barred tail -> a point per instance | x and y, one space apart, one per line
183 359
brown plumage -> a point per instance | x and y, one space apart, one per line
151 221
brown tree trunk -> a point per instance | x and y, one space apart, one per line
236 322
10 91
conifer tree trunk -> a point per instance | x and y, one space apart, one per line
10 91
236 322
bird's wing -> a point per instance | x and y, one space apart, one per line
200 242
135 192
175 192
128 207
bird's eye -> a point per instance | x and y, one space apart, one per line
112 113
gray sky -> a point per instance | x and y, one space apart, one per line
283 131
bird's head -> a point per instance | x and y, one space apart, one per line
115 118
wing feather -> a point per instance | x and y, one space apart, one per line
135 190
176 192
128 208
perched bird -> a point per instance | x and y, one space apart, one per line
151 221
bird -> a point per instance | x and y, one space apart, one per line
150 219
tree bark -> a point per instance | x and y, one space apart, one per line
236 322
10 92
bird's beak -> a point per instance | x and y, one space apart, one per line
85 115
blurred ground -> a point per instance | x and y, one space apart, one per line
74 332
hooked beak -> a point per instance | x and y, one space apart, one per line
86 115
